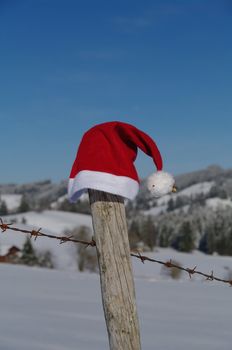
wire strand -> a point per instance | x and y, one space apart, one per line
63 239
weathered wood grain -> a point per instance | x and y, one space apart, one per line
117 284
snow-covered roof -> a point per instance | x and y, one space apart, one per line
4 249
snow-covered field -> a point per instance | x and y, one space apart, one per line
52 222
59 310
55 222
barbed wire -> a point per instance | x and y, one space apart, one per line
169 264
63 239
37 233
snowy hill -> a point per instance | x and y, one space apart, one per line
55 222
12 200
190 191
203 200
51 222
61 309
211 182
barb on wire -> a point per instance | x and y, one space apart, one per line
63 239
4 226
36 233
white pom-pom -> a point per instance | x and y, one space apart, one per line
160 183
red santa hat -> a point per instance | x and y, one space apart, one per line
105 162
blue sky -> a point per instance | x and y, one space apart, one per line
65 65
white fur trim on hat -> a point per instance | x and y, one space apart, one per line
120 185
160 183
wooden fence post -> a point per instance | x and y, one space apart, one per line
117 283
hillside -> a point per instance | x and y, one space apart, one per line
61 309
52 222
65 255
46 194
198 216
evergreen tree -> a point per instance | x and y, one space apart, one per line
148 232
171 205
24 220
210 242
3 208
24 205
45 259
82 207
203 244
164 236
28 256
184 241
216 232
213 192
179 202
229 242
134 234
200 199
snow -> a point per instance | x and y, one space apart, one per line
216 203
53 220
61 309
12 200
205 263
156 210
202 187
54 223
191 191
58 310
59 201
4 249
